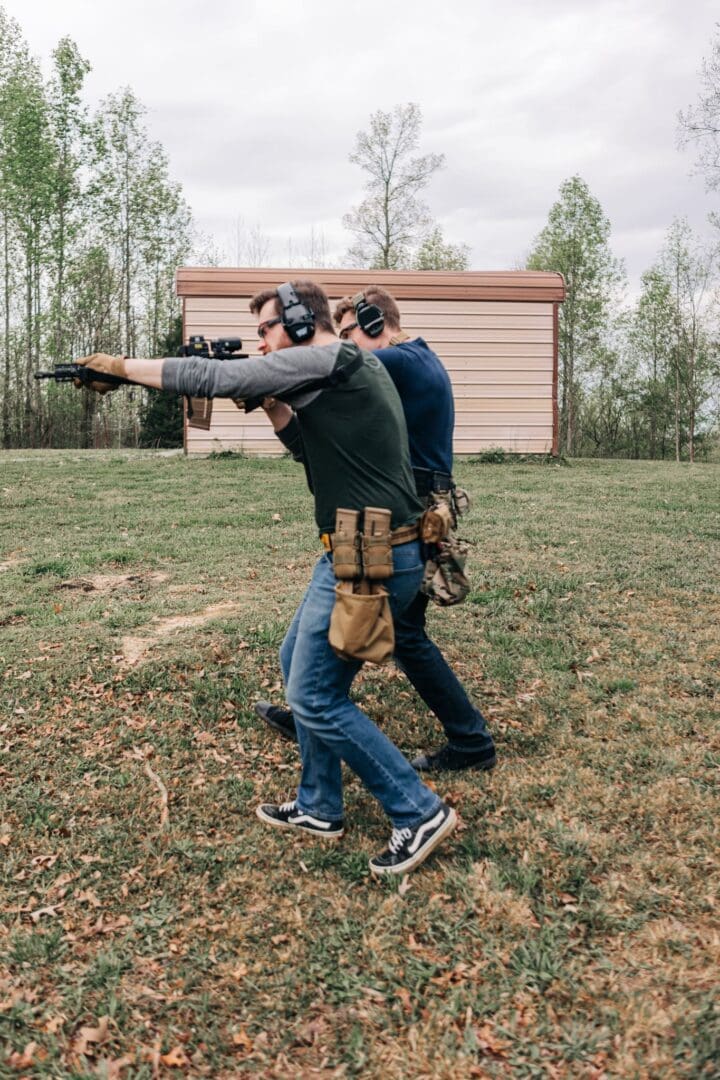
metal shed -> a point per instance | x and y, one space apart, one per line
496 333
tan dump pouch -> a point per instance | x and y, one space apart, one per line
377 557
361 625
346 545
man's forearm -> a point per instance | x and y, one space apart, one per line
279 415
145 372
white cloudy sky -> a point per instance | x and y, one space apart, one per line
257 103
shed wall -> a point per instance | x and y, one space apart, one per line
499 355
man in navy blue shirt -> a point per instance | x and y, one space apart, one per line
372 320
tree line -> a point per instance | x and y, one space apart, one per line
642 380
92 229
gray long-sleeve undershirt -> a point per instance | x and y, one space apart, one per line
277 373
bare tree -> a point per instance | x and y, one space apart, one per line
391 219
251 244
700 123
690 269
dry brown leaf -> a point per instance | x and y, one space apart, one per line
49 912
87 896
242 1039
112 1069
405 885
24 1060
92 1036
489 1042
175 1059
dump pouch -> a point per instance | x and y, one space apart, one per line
346 545
377 557
445 581
361 625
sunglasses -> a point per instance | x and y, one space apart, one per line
346 331
265 326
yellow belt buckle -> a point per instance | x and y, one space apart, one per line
326 541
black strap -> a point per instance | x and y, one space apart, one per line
427 480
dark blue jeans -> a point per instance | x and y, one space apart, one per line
428 671
330 727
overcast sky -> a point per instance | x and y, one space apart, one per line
258 104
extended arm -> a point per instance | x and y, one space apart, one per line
278 374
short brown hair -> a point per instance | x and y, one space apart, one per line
308 293
374 294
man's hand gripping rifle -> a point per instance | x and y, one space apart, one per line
105 379
80 375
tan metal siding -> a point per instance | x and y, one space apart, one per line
495 332
499 357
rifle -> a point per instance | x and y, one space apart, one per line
71 372
199 409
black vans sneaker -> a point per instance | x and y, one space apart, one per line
287 816
279 718
447 759
409 847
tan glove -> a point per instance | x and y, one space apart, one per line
102 363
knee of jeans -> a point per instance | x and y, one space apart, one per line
317 710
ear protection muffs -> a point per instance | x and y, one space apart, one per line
369 317
297 319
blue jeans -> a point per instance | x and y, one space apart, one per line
331 729
428 671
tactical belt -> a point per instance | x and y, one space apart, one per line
403 535
427 480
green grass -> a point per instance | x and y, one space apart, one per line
569 929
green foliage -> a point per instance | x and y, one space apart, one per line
162 414
435 253
575 242
92 229
494 455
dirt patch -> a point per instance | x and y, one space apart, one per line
11 562
134 649
105 583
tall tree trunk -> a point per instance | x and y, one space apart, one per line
6 436
677 410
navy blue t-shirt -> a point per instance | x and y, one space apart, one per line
427 400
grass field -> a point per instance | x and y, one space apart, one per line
571 926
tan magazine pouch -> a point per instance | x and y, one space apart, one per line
377 557
346 545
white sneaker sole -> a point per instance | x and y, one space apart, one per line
309 830
420 856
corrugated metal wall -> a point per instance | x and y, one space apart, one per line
499 354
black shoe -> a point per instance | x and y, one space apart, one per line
288 816
277 717
409 847
446 759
